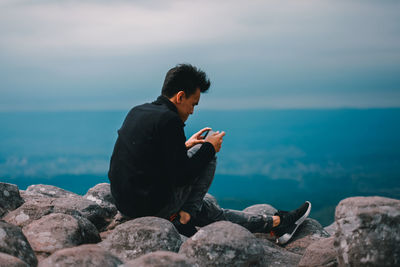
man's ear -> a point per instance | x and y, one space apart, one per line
179 96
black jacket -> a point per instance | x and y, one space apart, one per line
150 159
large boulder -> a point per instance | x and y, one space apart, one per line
57 231
137 237
320 253
99 216
48 191
263 209
14 242
10 198
331 229
7 260
368 231
161 259
101 194
275 255
34 210
37 208
308 232
84 255
224 244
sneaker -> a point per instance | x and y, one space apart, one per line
290 221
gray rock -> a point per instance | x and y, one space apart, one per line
84 255
263 209
99 216
49 191
137 237
368 231
10 198
275 255
224 244
320 254
57 231
14 242
118 219
36 209
308 232
101 194
331 229
161 259
7 260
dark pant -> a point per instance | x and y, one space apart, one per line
204 209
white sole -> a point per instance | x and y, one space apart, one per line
286 237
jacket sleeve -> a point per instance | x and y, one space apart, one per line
178 165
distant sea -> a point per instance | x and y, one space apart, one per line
279 157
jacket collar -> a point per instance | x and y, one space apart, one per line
164 100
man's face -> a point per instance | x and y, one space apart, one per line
186 105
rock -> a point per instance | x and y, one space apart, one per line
57 231
223 244
84 255
160 259
7 260
2 212
36 209
320 253
10 198
14 242
275 255
331 229
368 231
48 191
137 237
308 232
263 209
39 207
118 219
99 216
101 194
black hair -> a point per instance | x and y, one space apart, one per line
187 78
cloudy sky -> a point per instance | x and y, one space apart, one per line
96 55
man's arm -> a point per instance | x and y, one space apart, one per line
174 154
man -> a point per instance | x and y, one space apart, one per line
155 171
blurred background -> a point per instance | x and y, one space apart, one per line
308 92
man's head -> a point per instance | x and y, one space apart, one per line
183 85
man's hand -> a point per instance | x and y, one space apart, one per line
216 140
197 138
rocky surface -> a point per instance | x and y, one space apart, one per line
224 243
137 237
320 253
66 229
10 199
101 194
14 243
48 191
35 209
56 231
84 255
331 229
161 259
368 231
7 260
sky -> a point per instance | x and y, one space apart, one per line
285 54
